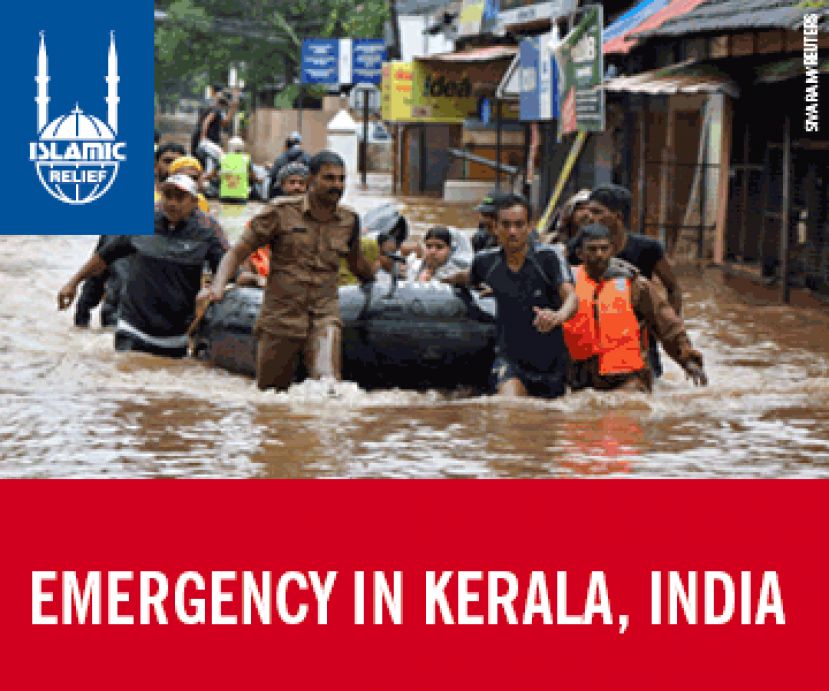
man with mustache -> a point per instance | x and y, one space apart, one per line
307 236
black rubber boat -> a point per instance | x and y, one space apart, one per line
394 335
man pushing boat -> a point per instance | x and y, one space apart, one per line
308 235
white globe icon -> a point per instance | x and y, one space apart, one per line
67 181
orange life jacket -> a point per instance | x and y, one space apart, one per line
605 325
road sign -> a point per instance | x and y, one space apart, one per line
336 61
368 55
320 61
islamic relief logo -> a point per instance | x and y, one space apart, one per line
77 155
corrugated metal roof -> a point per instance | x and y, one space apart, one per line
722 16
631 19
624 42
682 79
487 54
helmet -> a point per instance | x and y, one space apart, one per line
293 138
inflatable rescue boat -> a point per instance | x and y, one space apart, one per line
406 335
395 333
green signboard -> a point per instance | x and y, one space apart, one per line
581 67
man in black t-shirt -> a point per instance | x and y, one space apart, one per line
533 288
609 205
158 300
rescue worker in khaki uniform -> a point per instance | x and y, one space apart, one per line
619 309
307 236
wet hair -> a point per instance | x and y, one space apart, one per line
325 158
441 233
614 197
593 231
166 148
512 199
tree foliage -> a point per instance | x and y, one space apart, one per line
200 39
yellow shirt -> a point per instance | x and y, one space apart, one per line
371 251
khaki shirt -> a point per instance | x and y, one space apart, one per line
307 243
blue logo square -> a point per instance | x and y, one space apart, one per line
79 114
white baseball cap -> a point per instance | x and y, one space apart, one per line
182 182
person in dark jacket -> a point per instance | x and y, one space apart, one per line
158 302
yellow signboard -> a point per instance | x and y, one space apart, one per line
416 92
396 91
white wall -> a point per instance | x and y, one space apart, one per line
414 43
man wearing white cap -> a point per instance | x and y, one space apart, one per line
164 278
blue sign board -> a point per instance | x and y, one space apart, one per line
334 61
367 56
539 99
320 61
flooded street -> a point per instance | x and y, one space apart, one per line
72 407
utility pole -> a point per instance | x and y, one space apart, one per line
394 50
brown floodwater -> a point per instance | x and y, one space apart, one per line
71 407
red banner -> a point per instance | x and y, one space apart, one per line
411 584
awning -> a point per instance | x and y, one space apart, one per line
681 79
484 67
622 43
726 16
614 33
487 54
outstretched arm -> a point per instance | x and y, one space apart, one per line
231 111
666 325
227 267
113 248
359 265
546 319
459 280
94 266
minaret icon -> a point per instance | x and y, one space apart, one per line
42 80
112 80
